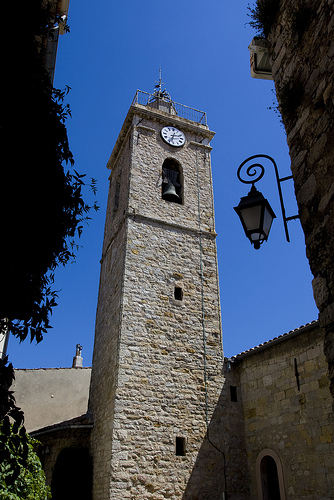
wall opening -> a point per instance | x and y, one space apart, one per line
233 393
269 476
180 446
72 475
171 187
178 293
117 193
297 374
269 479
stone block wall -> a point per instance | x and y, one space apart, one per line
53 443
287 409
301 45
157 365
161 379
232 430
105 361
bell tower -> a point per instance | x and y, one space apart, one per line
157 364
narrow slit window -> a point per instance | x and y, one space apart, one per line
180 446
297 374
233 393
116 198
178 293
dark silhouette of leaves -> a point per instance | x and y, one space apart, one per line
41 195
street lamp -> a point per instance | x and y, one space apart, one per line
254 210
256 216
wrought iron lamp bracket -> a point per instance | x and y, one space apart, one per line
255 172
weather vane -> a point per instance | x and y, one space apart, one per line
158 92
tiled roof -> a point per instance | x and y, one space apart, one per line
55 368
275 340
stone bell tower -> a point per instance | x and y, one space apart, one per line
157 365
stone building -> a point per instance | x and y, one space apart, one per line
273 415
167 416
158 342
283 389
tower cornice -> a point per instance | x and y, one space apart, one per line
131 214
160 116
161 222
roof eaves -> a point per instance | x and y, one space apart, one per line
81 422
276 340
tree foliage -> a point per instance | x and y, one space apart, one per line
263 15
21 474
41 195
29 484
13 437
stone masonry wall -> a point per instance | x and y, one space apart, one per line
157 374
291 417
161 386
53 443
232 428
107 328
302 49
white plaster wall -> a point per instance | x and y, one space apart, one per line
52 395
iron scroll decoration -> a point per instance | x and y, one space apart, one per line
255 172
251 171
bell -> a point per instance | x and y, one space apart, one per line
170 193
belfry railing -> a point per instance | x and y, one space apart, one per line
162 100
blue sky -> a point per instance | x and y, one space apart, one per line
114 49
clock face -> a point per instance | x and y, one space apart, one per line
173 136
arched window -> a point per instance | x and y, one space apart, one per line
171 188
269 475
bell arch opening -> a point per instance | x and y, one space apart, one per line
172 181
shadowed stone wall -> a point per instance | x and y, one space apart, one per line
54 441
301 44
287 410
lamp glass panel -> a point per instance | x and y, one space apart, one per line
251 217
257 236
267 221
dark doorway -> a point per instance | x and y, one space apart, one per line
72 475
269 479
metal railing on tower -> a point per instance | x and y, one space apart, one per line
163 101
